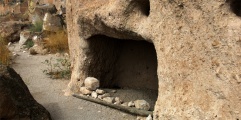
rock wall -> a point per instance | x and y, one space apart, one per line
198 47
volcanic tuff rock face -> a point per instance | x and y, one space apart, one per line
198 47
16 101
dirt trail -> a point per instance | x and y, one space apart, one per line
49 93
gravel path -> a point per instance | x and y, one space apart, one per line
49 93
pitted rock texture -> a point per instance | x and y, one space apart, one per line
10 31
197 43
16 101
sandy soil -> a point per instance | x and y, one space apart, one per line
49 92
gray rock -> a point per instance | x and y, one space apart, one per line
109 99
85 91
104 95
16 102
52 23
142 104
91 83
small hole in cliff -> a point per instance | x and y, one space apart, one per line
142 6
235 6
146 7
122 64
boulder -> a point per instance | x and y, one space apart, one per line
38 49
52 23
197 46
91 83
38 12
16 101
10 31
24 36
141 104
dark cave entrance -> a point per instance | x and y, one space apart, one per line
124 64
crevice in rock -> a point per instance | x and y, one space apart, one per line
235 6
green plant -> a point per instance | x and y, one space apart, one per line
4 53
60 68
29 44
57 42
37 27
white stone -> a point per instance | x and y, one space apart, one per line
94 94
100 92
117 103
109 99
91 83
118 100
142 104
85 91
149 117
131 104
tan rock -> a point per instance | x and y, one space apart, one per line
196 43
109 99
141 104
85 91
100 92
91 83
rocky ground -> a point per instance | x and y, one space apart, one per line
49 92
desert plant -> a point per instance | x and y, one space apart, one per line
37 26
58 69
29 44
57 42
4 53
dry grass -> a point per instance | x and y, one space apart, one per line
4 53
57 42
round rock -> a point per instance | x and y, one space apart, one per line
91 83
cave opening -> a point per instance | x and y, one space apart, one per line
130 66
235 6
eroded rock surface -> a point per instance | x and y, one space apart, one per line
16 101
10 31
197 44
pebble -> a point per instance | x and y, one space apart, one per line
85 91
100 92
131 104
142 104
94 94
109 99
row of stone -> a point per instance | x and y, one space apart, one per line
91 86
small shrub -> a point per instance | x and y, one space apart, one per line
4 53
58 69
37 27
57 42
29 44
